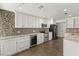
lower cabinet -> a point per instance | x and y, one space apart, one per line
22 43
8 47
40 38
11 46
14 45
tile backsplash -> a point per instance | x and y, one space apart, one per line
7 25
29 30
72 30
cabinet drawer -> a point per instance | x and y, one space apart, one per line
22 48
24 43
22 39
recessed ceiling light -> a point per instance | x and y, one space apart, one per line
69 15
65 9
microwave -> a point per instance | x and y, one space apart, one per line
44 25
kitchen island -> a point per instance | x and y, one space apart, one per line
71 44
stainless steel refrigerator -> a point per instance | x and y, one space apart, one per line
53 29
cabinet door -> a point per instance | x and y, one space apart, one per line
40 22
69 22
48 23
33 22
40 38
29 22
76 22
18 20
8 47
45 21
22 44
36 22
24 21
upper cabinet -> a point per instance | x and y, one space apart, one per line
76 20
28 21
47 21
72 22
18 20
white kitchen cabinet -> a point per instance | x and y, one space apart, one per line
22 43
11 46
18 20
34 22
38 22
8 47
76 20
50 35
24 21
27 21
70 22
48 24
46 21
40 38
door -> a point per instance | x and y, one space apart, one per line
61 29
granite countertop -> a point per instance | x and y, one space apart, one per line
16 36
72 37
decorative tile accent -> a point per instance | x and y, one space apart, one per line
7 20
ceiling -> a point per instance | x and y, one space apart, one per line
50 10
